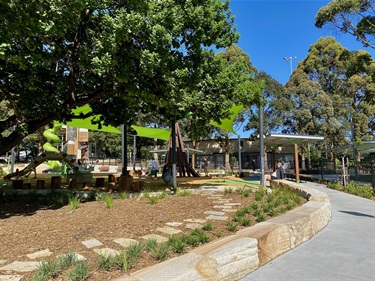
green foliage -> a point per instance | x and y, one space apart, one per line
177 244
108 200
355 17
133 253
207 226
74 202
123 195
153 200
79 272
161 252
228 190
66 51
232 226
151 245
184 193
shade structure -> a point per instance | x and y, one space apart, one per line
156 133
227 124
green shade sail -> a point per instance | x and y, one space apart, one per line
155 133
227 124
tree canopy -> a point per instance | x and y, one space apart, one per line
356 17
123 58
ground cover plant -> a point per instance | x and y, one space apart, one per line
43 223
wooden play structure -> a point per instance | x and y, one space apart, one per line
182 164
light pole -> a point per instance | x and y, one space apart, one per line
291 62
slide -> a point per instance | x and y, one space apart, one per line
51 154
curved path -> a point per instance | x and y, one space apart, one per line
343 251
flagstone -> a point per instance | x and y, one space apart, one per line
218 218
158 238
168 230
193 225
77 257
125 242
222 207
195 220
10 277
232 204
2 261
173 223
40 254
215 213
92 243
21 266
229 210
106 252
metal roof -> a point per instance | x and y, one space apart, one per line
285 142
365 147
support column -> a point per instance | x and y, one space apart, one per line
296 162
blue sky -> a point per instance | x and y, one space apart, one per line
272 30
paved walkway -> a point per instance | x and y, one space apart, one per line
343 251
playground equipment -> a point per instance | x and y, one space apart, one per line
54 158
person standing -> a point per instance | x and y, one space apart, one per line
155 167
205 161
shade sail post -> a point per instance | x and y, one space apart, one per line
124 171
296 162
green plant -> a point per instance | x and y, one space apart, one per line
246 222
74 202
367 191
228 190
120 261
261 217
64 261
79 272
218 234
162 195
177 244
39 276
105 262
133 252
151 244
191 240
98 196
231 226
49 269
246 193
123 195
259 194
146 193
108 200
153 200
184 193
207 226
161 252
202 236
254 206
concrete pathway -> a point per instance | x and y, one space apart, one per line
342 251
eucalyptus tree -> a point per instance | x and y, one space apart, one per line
355 17
121 57
331 90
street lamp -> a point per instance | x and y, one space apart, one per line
291 62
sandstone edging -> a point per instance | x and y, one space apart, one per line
233 257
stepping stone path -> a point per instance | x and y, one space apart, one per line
124 242
171 228
40 254
92 243
106 252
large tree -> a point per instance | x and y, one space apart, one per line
237 81
121 57
330 88
356 17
